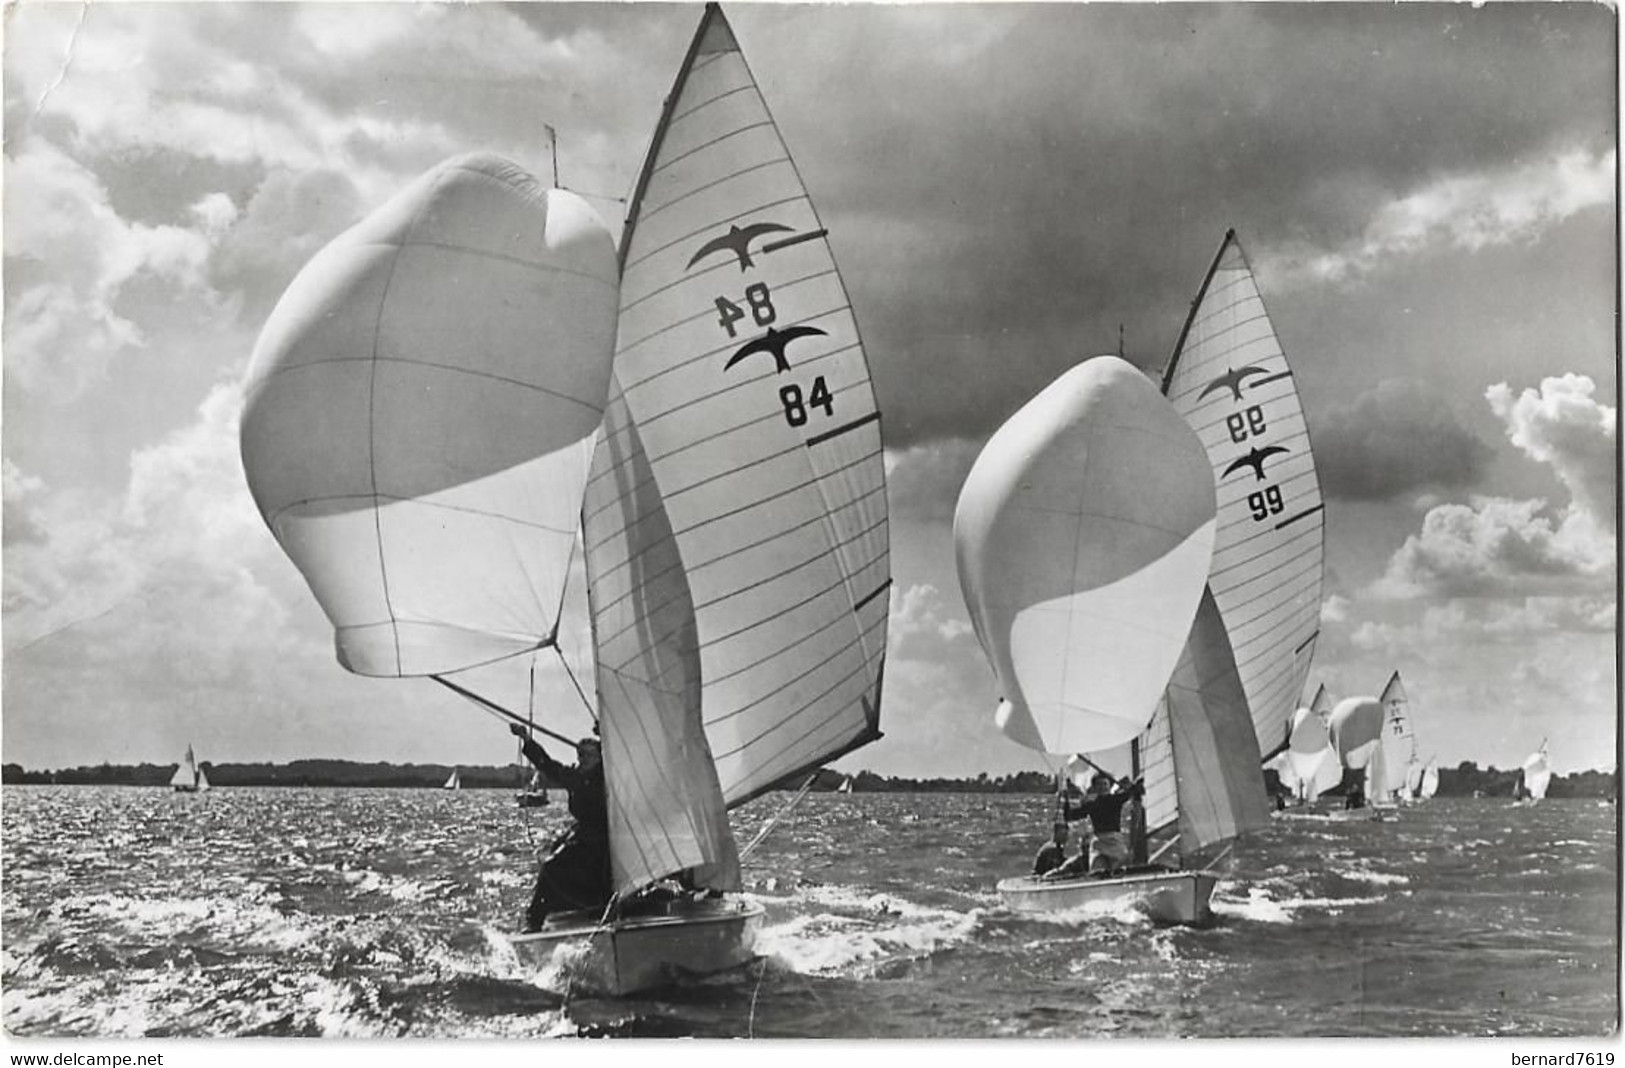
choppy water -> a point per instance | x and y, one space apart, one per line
353 912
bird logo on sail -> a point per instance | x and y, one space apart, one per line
737 240
773 343
1255 460
1232 380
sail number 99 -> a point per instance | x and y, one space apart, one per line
795 407
1243 425
1266 502
760 301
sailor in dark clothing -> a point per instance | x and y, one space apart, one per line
1355 797
576 874
1053 855
1104 809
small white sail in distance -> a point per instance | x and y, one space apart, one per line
189 775
1537 773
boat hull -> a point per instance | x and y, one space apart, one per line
685 939
1168 896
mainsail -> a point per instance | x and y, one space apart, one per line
740 367
1229 378
1083 535
1537 773
1400 772
419 411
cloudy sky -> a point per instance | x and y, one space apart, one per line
1426 191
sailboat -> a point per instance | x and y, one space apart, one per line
534 793
1229 377
1309 753
1397 767
455 782
735 519
1082 585
1430 781
455 386
845 787
1535 776
1356 730
189 778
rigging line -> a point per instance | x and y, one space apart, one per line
1169 844
1215 861
579 691
774 822
495 709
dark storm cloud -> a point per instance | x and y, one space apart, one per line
1394 440
1073 168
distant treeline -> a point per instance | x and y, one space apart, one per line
1460 781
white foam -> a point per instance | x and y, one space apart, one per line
824 944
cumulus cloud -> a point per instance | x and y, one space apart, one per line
70 258
1497 546
180 544
1511 622
923 626
1394 439
1466 212
1561 425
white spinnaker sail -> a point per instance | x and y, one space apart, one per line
666 812
1309 750
1230 379
420 411
1083 535
1355 727
1199 758
741 366
1537 774
1398 737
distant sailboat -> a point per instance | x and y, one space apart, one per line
1535 776
455 782
1082 588
1401 774
534 793
1355 728
1430 781
1314 763
189 778
845 787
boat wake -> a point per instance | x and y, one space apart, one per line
1259 907
835 930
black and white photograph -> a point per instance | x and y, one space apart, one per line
792 521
